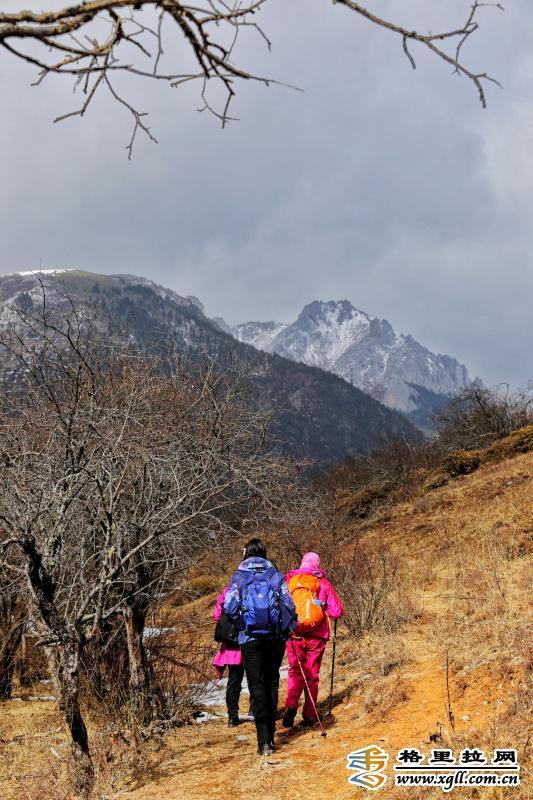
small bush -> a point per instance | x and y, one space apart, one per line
398 464
523 439
520 441
12 622
461 462
31 663
435 481
181 667
360 503
365 582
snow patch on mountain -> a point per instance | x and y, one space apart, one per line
259 334
38 272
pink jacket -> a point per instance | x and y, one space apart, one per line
327 595
217 613
226 654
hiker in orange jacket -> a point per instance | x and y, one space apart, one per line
316 600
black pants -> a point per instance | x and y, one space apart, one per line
233 690
262 659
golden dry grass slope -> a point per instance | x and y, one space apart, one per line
462 651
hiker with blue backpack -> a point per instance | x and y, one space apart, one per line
259 604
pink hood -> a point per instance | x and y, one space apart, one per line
311 562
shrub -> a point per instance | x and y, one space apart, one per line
31 663
181 666
397 464
435 481
104 674
365 582
358 504
523 439
519 441
461 462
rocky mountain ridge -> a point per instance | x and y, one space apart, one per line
367 352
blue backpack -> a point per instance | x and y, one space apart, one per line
262 612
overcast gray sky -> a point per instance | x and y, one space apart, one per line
388 187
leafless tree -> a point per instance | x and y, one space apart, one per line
115 474
307 523
94 41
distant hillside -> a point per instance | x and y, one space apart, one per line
317 415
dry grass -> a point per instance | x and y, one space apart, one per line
464 587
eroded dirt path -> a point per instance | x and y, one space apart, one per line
406 709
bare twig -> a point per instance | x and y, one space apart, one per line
93 40
432 41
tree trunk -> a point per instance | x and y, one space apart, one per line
7 668
65 659
10 638
22 663
140 672
67 676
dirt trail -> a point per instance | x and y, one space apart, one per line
210 761
440 539
471 540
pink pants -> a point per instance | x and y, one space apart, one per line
309 652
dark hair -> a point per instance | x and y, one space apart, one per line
255 548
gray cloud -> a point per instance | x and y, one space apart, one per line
389 187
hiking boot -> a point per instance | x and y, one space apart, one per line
288 717
233 722
264 749
308 722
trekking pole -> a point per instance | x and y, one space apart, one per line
309 693
332 666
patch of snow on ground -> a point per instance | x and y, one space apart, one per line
203 716
43 698
213 693
153 633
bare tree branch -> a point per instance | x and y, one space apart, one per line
94 42
432 41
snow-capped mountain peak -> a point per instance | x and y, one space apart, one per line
392 367
323 332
